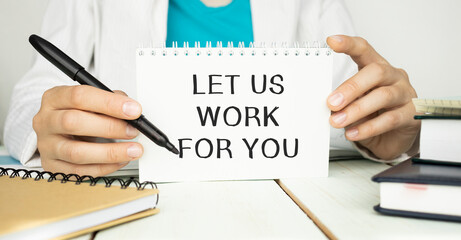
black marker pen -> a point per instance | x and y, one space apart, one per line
78 73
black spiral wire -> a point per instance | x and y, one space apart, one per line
12 173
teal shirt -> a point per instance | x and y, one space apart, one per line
191 21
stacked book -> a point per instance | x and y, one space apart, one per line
428 186
440 130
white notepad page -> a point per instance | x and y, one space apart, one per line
255 131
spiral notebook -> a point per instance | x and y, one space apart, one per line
236 113
43 205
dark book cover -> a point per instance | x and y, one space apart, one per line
437 116
411 171
411 214
414 172
436 162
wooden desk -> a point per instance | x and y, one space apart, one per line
341 206
344 204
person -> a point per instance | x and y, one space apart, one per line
56 126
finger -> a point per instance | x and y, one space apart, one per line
119 92
381 98
358 48
95 170
93 100
82 123
79 152
371 76
383 123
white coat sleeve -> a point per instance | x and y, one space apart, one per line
334 20
69 25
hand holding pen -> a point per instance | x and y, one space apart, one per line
71 115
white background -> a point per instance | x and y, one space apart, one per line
421 36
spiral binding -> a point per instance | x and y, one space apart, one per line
12 173
283 48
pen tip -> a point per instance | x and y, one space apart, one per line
172 148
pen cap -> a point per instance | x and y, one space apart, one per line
55 56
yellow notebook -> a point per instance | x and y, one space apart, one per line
41 205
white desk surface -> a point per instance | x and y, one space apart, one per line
344 204
341 206
221 210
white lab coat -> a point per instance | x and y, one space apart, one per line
102 36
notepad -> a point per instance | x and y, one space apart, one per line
448 106
236 113
40 205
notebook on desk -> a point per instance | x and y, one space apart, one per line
440 130
445 106
417 190
41 205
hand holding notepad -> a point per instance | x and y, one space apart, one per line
374 105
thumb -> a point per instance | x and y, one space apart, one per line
358 48
119 92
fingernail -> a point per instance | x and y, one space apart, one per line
339 118
352 133
336 99
131 109
337 38
134 151
131 131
